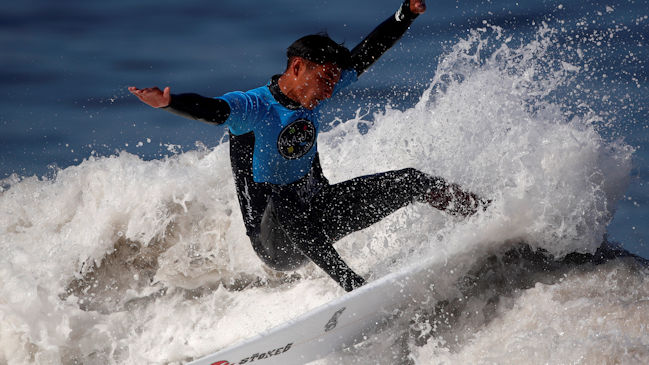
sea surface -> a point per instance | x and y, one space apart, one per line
121 239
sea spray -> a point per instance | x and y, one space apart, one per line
490 121
120 260
497 123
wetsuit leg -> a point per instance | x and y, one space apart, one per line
294 229
355 204
298 222
273 245
337 210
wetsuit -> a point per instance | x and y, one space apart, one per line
291 212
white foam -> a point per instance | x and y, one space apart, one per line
120 260
593 317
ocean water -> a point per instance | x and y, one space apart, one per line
121 237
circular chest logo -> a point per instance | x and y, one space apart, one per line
296 139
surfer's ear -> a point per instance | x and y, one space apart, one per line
295 65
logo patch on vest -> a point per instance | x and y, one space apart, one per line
296 139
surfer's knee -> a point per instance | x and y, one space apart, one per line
420 179
419 184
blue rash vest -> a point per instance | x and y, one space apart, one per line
285 138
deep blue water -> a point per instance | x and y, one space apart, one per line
65 66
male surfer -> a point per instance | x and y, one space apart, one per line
291 212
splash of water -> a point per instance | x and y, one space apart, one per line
95 261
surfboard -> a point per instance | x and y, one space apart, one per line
336 325
346 321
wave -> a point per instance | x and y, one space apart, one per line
121 260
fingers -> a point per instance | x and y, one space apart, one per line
166 97
148 92
134 89
152 96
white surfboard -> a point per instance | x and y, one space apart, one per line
333 326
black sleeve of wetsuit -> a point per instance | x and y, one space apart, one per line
194 106
382 38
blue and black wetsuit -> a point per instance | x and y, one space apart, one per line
291 212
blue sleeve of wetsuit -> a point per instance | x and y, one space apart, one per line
245 108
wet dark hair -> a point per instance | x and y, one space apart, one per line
321 49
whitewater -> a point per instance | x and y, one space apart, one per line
118 260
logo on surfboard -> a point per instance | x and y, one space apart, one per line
256 356
333 322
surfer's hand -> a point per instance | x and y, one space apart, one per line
418 6
152 96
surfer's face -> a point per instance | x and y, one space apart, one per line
316 82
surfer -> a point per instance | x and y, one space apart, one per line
291 212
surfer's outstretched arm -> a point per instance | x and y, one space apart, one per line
192 106
385 35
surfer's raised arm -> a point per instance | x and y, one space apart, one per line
385 35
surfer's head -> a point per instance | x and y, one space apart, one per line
320 49
315 63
